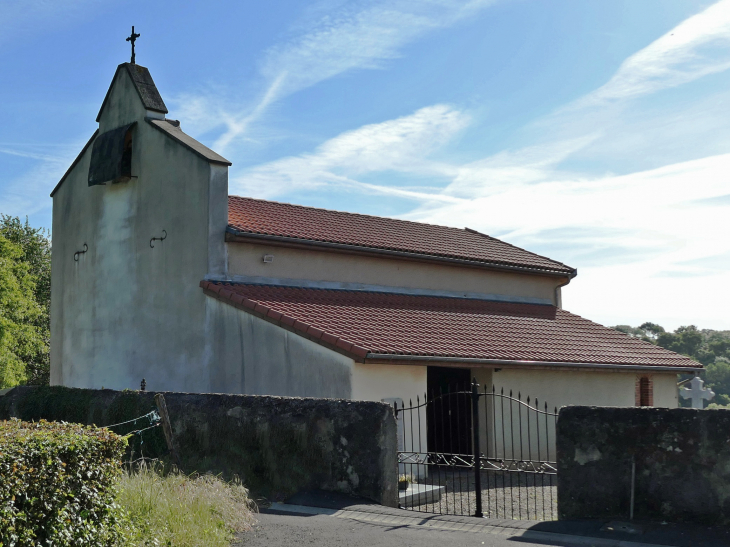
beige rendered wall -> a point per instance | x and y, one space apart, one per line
246 259
596 388
557 389
666 393
405 382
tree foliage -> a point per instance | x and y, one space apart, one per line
709 347
25 301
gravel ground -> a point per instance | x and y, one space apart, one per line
504 495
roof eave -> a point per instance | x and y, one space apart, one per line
233 235
362 355
209 158
388 358
76 161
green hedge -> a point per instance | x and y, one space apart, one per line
57 484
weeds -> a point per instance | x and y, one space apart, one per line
177 510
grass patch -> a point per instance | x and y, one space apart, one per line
178 510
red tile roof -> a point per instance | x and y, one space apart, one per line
363 323
308 224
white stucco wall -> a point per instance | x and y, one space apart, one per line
252 356
125 311
246 259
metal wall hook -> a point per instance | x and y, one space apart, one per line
77 253
158 238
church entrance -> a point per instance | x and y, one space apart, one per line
448 411
469 450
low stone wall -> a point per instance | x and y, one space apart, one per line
681 458
277 445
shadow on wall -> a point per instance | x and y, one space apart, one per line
278 446
681 461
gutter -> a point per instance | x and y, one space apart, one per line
503 362
558 295
233 235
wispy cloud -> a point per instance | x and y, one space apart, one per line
355 36
630 234
359 36
44 166
695 48
402 145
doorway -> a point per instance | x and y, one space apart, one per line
449 410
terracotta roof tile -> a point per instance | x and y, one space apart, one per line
386 323
269 218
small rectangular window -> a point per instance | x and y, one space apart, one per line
644 391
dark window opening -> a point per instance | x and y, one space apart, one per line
111 156
126 165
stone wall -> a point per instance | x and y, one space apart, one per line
277 445
681 457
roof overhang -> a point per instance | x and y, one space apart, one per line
386 358
233 235
362 355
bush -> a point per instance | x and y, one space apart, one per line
184 511
58 484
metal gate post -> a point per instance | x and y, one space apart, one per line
477 456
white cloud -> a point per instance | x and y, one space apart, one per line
358 35
402 144
698 46
649 244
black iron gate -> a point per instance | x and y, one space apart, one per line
466 451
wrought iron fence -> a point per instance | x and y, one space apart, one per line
477 452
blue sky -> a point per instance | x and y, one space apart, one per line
597 133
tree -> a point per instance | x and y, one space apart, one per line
21 340
34 246
651 330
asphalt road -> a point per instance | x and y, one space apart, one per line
275 530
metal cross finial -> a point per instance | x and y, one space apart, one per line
132 38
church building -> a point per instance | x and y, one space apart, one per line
158 273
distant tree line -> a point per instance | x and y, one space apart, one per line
25 303
709 347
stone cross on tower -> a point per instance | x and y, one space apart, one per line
132 38
696 393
